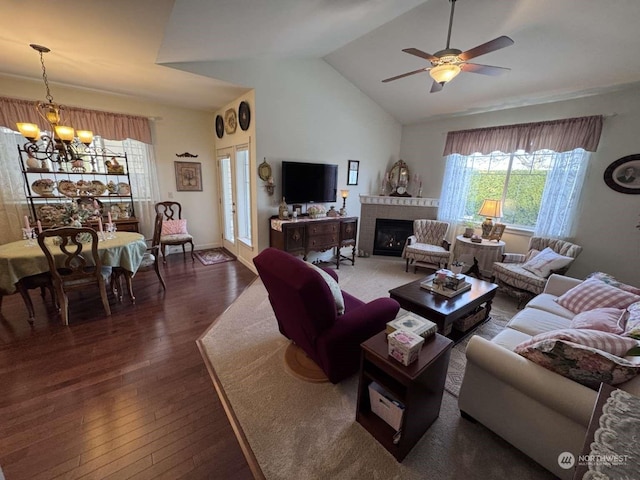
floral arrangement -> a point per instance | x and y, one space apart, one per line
75 215
317 211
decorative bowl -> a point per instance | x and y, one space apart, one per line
44 187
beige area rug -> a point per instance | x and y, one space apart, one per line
305 430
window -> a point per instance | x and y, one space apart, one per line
243 189
539 191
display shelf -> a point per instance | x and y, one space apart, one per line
84 180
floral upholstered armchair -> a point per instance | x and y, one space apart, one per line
427 246
524 275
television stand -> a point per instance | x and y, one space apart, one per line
304 235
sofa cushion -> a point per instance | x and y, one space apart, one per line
510 338
608 319
594 293
545 262
333 286
547 302
604 341
533 321
585 365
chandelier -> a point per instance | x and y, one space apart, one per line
61 146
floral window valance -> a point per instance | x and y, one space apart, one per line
557 135
114 126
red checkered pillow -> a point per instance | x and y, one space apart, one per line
594 293
604 341
174 227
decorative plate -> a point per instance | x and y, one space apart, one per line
264 170
98 187
68 188
124 189
219 126
50 214
230 121
244 115
43 187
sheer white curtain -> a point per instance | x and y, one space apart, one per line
561 194
144 182
455 190
13 205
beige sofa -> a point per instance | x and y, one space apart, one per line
539 412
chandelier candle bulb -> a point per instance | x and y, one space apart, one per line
39 226
26 222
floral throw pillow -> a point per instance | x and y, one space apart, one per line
174 227
610 279
585 365
633 322
333 286
603 341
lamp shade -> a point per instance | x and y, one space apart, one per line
28 130
444 73
85 136
491 209
65 133
344 193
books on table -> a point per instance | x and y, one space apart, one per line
410 322
443 289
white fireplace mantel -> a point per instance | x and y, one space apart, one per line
400 201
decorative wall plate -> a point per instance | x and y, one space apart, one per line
68 188
244 115
124 189
623 175
230 121
43 187
264 170
219 126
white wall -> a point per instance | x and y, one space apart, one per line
306 111
175 130
607 221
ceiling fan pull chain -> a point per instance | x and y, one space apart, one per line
453 6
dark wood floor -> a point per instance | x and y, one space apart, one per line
126 396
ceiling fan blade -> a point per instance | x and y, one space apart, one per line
436 87
421 54
490 46
483 69
404 75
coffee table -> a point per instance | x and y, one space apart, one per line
443 310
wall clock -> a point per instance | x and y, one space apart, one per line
230 121
219 126
623 175
244 115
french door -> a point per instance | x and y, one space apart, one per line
235 197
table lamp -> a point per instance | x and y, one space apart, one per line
344 194
489 209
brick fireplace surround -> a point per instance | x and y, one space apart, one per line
395 208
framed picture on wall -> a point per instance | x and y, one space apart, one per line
352 172
623 175
188 176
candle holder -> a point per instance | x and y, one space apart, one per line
344 194
29 234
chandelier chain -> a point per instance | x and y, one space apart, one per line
44 77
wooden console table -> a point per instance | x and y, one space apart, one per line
304 235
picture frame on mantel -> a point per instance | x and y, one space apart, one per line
188 176
353 170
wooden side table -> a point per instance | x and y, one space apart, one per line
419 387
484 254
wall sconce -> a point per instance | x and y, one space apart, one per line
344 194
270 186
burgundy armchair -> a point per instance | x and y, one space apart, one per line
306 313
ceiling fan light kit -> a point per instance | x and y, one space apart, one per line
448 63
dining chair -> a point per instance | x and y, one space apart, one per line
42 281
174 228
74 263
151 258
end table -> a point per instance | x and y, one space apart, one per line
484 254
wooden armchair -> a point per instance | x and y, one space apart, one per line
175 232
427 246
74 263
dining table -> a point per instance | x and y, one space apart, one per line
24 258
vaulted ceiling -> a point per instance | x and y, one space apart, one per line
563 48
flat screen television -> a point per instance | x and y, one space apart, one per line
309 182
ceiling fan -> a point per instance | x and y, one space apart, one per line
448 63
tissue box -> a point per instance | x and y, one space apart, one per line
383 405
404 346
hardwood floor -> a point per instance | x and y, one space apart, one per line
126 396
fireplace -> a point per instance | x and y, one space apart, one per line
390 236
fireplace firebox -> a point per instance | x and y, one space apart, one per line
390 236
